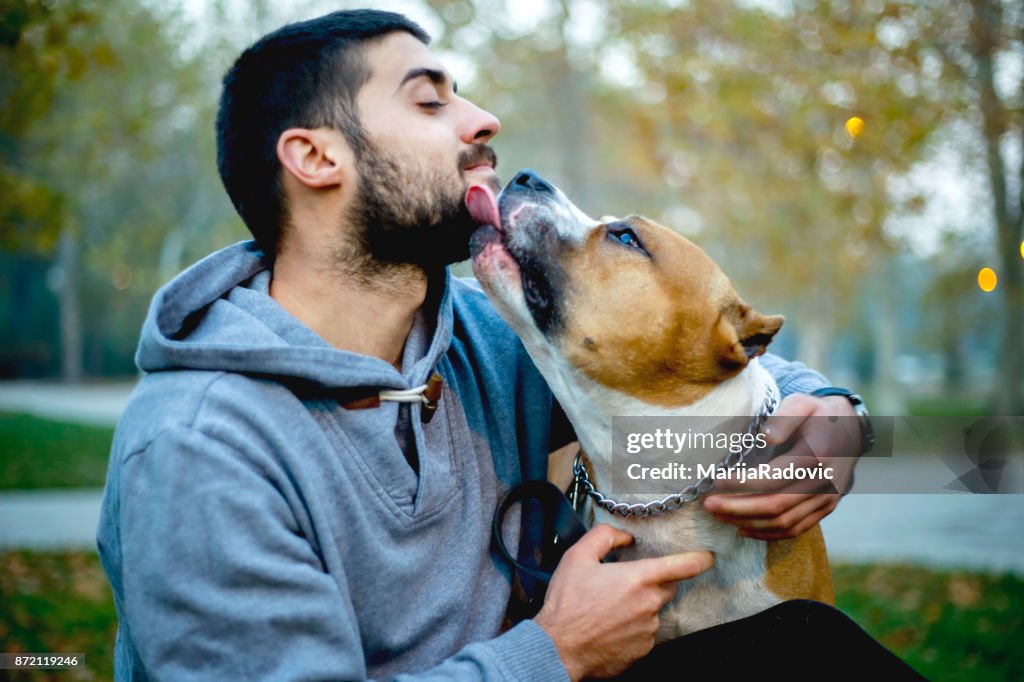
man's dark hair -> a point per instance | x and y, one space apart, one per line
304 75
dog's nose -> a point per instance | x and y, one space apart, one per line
527 179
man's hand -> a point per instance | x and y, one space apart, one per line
778 514
603 617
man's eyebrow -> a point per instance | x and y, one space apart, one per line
436 76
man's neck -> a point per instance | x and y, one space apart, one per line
370 313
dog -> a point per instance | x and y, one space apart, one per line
626 317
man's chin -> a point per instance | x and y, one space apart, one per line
428 249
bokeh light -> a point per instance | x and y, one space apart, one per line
987 279
854 126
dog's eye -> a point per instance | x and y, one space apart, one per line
626 236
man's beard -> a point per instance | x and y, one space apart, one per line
415 216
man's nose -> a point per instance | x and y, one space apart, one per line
527 179
480 125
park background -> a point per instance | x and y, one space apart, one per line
856 166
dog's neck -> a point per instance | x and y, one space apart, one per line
591 406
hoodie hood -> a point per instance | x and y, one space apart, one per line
218 315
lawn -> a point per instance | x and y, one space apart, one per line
949 625
37 453
57 602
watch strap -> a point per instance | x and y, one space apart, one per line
867 433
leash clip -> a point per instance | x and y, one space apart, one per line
575 496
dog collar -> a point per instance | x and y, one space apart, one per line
582 483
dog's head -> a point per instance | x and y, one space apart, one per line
635 306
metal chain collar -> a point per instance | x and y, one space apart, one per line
676 500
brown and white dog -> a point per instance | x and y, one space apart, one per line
626 317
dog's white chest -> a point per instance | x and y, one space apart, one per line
732 589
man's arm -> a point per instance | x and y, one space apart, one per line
219 581
792 377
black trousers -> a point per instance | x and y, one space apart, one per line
795 640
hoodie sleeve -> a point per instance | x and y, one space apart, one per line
219 581
792 377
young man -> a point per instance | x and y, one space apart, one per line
273 509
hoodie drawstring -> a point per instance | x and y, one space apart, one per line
428 394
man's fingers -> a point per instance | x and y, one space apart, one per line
800 457
673 567
781 426
754 506
668 591
789 518
814 475
796 530
599 541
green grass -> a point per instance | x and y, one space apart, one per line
37 453
948 625
945 405
57 602
949 406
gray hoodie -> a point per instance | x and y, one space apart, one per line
254 528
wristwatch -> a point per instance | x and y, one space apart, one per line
867 433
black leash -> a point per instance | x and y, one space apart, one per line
561 524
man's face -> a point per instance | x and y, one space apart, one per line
425 146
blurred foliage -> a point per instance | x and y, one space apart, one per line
106 135
728 121
39 453
731 110
947 625
36 52
57 602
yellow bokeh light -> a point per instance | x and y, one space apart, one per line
1022 249
987 279
854 126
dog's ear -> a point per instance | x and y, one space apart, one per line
743 333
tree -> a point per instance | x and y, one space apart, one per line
996 30
775 132
115 155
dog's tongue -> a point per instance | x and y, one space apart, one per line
482 205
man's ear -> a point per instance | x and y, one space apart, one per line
743 333
317 158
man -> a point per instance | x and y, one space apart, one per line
275 507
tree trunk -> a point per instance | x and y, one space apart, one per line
70 307
572 116
986 26
953 366
1009 398
814 340
888 395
